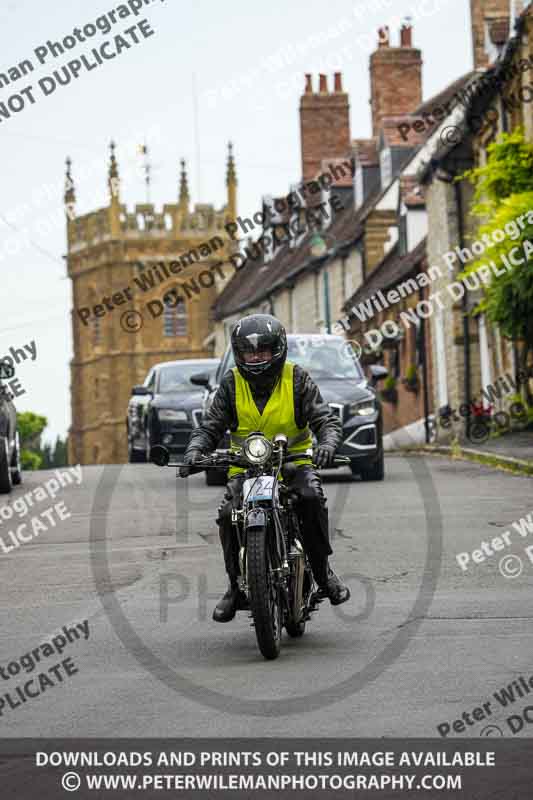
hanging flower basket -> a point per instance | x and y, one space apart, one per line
411 386
389 393
411 381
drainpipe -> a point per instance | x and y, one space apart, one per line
424 370
327 310
466 331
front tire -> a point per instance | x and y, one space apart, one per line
6 480
135 456
264 597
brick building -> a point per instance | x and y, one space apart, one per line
111 250
469 352
307 287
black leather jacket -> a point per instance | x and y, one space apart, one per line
309 408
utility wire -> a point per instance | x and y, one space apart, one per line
33 244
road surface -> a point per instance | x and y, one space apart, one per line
420 644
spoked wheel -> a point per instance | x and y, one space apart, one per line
265 601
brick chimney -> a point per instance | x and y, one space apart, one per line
483 14
324 124
395 77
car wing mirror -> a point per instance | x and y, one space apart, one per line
201 379
140 391
377 373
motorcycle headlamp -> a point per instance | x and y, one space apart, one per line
257 449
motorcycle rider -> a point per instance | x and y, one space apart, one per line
266 393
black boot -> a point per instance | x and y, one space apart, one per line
232 601
333 588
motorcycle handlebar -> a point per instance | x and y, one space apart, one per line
227 459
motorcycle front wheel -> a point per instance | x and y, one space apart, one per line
265 601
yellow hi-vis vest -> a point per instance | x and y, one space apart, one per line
277 416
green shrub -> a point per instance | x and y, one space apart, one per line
30 460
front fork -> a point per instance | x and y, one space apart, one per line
259 516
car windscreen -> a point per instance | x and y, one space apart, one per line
176 378
323 358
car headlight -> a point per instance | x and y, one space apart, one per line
364 408
171 415
257 449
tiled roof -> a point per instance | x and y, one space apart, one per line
256 280
443 96
390 270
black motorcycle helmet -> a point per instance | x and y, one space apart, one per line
253 335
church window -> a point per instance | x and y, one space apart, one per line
175 320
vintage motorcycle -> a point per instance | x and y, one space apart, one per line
275 574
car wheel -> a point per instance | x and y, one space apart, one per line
6 481
16 469
376 472
135 456
214 477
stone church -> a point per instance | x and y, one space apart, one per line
121 325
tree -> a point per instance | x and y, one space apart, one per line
60 458
30 427
503 198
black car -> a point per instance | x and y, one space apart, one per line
10 469
166 407
333 365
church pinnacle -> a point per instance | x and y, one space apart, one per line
114 180
70 194
184 187
231 183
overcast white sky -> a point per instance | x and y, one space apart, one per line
248 59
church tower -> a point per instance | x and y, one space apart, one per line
143 283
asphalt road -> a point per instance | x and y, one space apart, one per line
420 642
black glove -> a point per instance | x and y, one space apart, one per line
324 456
191 457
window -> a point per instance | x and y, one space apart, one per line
293 310
403 234
150 379
175 320
385 166
97 332
359 188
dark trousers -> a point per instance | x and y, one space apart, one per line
312 511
